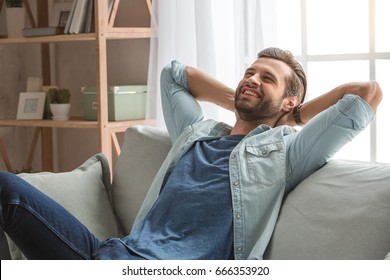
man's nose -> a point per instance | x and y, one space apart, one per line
253 80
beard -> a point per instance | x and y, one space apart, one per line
261 110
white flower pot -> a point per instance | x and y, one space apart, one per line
60 111
15 21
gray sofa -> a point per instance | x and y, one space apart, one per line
340 212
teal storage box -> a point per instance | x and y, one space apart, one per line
124 102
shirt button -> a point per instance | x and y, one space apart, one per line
235 183
233 156
264 153
239 248
238 216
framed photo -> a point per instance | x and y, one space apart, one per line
31 105
64 15
60 14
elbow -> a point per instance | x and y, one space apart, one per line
370 91
166 73
374 94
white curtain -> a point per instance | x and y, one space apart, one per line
220 37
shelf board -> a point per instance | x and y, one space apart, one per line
50 39
112 33
128 32
74 123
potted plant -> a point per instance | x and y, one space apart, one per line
59 103
15 17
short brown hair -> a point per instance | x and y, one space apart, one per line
297 83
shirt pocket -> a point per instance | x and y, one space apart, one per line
266 163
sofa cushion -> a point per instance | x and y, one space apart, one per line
143 151
85 192
340 212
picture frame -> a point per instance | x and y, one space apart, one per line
61 14
64 16
31 105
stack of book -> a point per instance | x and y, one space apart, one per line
81 17
81 20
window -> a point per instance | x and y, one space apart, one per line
336 46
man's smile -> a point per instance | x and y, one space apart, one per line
251 93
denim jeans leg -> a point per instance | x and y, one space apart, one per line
39 226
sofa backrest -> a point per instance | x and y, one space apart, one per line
342 211
143 151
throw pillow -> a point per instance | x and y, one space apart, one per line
85 192
143 152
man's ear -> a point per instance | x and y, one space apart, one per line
290 103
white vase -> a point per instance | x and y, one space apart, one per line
60 111
15 21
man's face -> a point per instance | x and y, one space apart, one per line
261 91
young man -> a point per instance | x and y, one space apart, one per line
219 191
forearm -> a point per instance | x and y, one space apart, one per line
369 91
205 88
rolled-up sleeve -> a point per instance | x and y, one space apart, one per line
324 135
356 109
180 108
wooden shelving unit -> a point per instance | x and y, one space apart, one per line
107 130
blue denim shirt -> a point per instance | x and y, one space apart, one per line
265 165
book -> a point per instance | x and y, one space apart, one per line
69 22
78 21
82 16
90 18
110 6
42 31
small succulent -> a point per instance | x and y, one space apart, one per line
59 96
14 3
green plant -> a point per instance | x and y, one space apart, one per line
59 96
14 3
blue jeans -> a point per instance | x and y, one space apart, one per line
39 226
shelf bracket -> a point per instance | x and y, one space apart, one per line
112 13
115 143
4 155
29 14
33 146
114 9
31 153
149 4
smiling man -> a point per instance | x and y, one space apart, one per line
220 189
260 96
244 171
